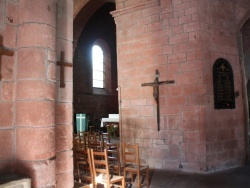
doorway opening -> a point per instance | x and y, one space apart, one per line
101 100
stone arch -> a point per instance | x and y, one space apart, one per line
242 13
83 10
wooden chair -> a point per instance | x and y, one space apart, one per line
84 167
106 137
94 142
131 164
114 157
101 170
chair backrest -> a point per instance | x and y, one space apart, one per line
106 137
84 165
130 154
94 142
113 150
100 165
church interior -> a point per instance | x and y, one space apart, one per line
170 78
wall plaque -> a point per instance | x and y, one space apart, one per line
223 81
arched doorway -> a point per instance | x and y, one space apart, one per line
99 30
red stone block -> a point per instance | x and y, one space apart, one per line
9 40
154 18
146 111
173 22
197 148
181 38
160 41
191 55
191 157
7 70
64 139
150 11
151 123
191 10
193 26
167 49
31 63
66 47
140 122
165 3
6 115
51 72
45 11
188 46
38 35
2 9
181 6
42 172
8 91
170 111
64 25
35 89
176 101
64 161
177 29
138 102
66 94
11 13
35 113
195 89
178 14
131 111
65 180
157 153
35 144
191 123
192 136
199 100
175 58
7 144
187 78
185 19
130 93
63 113
174 68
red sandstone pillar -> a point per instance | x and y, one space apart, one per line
64 97
35 97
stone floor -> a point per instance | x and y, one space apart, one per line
234 178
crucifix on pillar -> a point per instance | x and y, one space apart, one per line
63 64
4 51
155 86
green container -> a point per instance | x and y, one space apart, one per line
82 122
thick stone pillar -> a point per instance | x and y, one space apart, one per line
35 96
64 154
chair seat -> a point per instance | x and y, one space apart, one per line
135 167
103 178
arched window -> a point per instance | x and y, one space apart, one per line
98 66
101 66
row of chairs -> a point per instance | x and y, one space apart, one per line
94 166
93 140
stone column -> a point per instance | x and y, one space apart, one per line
64 154
35 96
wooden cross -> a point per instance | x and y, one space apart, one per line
62 64
155 86
4 51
